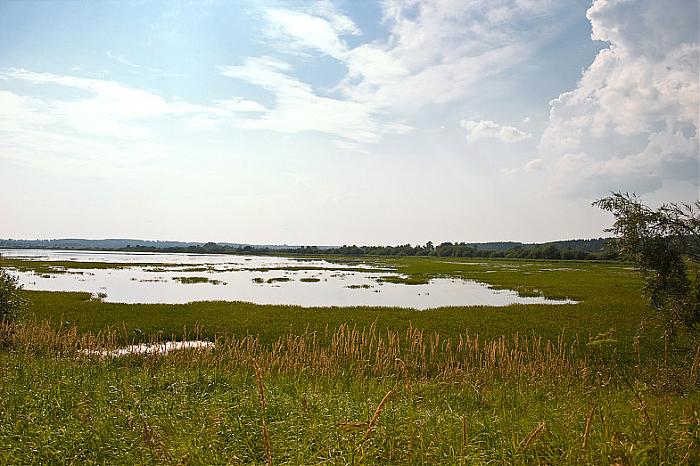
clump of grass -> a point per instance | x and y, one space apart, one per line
278 279
310 280
99 296
356 287
192 280
410 280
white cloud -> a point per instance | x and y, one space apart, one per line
112 109
534 164
340 22
632 121
436 53
136 68
305 30
487 129
299 109
239 104
107 109
531 166
350 146
34 135
104 124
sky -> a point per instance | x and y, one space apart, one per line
342 122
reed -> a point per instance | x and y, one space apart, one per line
533 435
263 404
587 429
372 422
408 356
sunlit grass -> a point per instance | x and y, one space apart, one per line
526 384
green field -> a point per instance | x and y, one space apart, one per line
590 383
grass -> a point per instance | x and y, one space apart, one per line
193 280
609 295
478 401
523 384
278 279
403 280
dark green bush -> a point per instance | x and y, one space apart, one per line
11 301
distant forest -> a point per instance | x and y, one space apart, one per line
578 249
584 249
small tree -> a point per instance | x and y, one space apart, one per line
663 243
10 299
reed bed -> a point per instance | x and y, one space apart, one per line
407 356
350 395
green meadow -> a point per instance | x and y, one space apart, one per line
587 383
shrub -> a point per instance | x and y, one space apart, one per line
11 301
664 243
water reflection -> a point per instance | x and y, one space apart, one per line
182 278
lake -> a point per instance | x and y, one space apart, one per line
182 278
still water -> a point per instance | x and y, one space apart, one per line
182 278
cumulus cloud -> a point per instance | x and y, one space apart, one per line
483 129
632 121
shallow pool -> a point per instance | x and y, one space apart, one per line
182 278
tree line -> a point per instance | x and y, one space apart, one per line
448 249
549 251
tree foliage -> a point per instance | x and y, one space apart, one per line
664 243
11 301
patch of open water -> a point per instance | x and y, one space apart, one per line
146 348
172 278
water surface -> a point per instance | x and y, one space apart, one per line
183 278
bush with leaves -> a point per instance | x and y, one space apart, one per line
664 244
11 301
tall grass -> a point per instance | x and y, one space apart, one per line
366 352
358 395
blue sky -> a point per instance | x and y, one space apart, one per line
342 122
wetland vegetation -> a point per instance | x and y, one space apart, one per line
593 382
